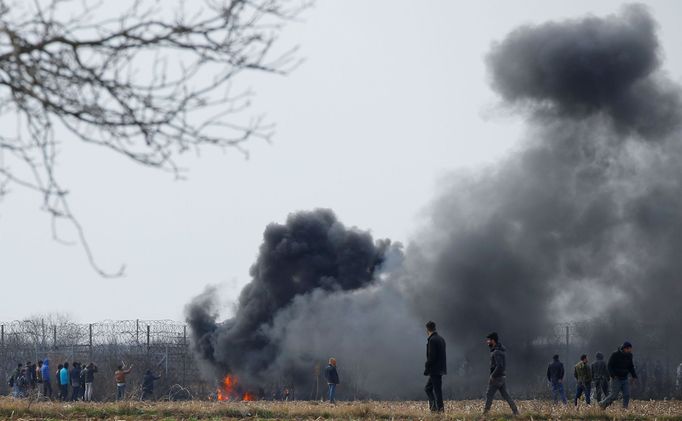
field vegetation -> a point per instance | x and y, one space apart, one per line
301 410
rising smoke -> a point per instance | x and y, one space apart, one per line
300 265
582 222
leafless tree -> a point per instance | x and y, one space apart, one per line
149 84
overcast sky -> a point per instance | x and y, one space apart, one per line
392 95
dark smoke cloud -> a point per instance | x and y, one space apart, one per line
583 222
595 65
312 252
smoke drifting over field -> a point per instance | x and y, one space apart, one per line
582 222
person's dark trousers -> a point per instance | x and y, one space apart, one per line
601 386
434 390
559 392
586 388
64 390
146 395
495 384
75 393
331 392
47 389
120 392
617 386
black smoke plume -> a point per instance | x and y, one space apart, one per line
311 253
582 223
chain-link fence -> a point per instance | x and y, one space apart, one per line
158 345
163 347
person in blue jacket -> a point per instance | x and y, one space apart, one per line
332 377
64 382
47 378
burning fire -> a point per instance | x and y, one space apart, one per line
229 390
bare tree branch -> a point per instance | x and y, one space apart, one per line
146 84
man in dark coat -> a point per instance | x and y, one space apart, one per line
332 377
148 385
75 376
619 366
435 368
555 376
600 375
498 379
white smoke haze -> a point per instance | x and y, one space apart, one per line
583 222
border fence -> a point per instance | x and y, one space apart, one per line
163 346
158 345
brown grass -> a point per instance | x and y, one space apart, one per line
299 410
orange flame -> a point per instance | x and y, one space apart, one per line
228 390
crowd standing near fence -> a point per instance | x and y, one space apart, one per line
75 381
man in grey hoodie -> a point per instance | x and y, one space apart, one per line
600 375
498 377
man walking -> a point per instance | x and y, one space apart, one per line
555 376
498 379
332 377
435 368
619 366
600 375
583 377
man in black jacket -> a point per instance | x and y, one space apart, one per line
435 368
619 366
555 376
498 379
148 385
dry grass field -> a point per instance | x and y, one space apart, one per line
455 410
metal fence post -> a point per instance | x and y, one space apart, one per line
184 355
90 326
54 336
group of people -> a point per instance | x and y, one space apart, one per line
610 379
604 376
38 378
74 382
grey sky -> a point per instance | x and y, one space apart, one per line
391 97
